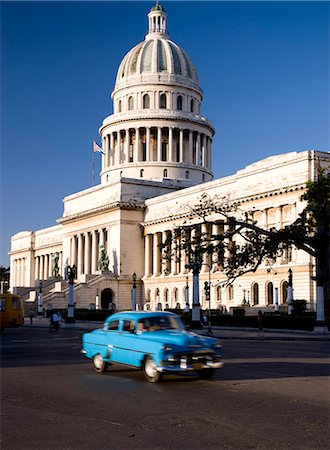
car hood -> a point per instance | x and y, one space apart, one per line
180 337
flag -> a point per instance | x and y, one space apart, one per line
97 148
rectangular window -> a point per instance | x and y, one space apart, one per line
113 326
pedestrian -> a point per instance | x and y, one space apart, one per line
31 315
260 321
205 318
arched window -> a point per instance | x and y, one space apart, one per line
179 103
187 174
255 294
119 106
130 103
284 291
162 101
191 105
219 294
146 101
141 173
270 293
165 173
230 293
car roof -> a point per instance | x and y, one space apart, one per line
136 315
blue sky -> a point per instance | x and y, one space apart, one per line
263 68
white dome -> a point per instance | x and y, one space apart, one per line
157 59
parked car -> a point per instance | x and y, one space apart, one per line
156 342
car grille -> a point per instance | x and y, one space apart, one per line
190 359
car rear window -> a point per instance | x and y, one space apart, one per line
113 326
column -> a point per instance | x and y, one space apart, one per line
112 150
117 149
147 252
147 144
278 218
47 267
156 254
203 159
167 251
191 150
74 251
108 250
37 267
104 154
94 252
264 219
80 255
159 144
107 162
87 255
170 144
181 145
126 146
210 153
101 234
136 156
198 149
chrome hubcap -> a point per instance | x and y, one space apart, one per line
150 368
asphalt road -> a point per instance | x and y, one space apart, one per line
269 395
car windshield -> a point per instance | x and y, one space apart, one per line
156 323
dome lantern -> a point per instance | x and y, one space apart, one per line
157 21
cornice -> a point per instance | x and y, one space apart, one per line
236 202
101 209
166 118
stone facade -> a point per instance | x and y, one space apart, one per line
157 161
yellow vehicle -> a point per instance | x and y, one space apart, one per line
11 311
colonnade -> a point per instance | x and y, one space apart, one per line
171 259
85 250
19 271
166 144
43 267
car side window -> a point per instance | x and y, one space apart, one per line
113 326
129 326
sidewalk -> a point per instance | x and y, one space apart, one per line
219 332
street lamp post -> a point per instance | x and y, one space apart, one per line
97 302
134 292
207 288
290 293
196 310
71 273
40 306
187 296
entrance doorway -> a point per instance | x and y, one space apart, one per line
107 299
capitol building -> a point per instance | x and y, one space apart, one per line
156 161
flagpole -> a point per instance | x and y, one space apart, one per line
93 171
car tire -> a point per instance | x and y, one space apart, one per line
206 374
150 370
99 364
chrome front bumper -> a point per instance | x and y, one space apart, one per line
183 365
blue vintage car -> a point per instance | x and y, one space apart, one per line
155 342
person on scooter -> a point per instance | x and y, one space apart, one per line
55 321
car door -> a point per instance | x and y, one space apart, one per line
128 344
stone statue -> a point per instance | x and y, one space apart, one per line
55 267
71 273
103 259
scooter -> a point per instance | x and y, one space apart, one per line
55 326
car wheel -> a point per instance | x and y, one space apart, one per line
99 364
206 374
150 370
